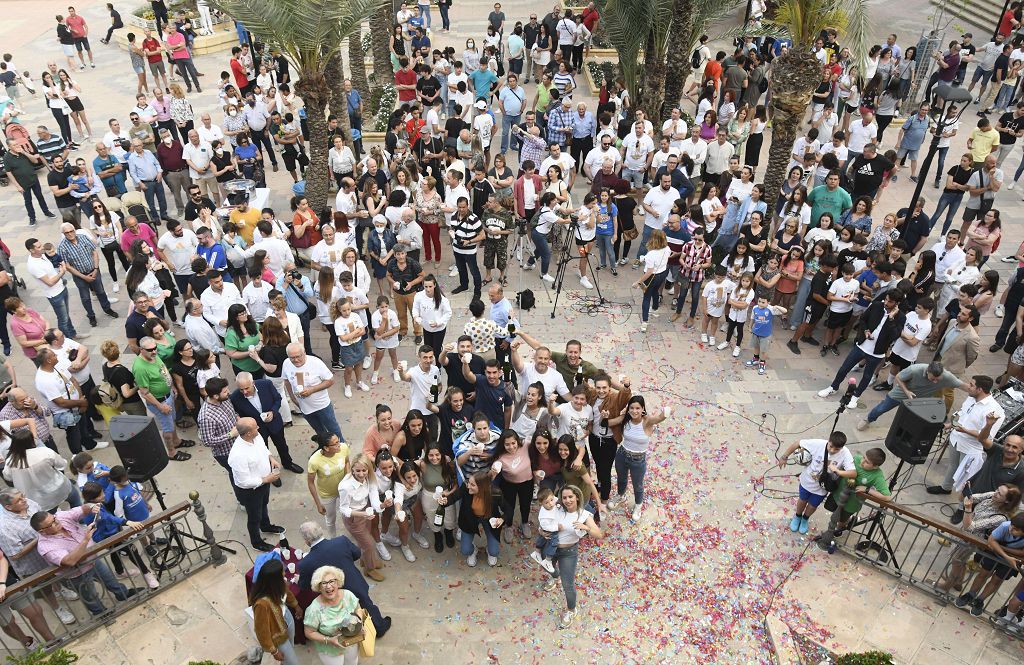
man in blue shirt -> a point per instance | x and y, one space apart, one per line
109 170
482 80
146 171
511 100
911 136
298 293
213 252
584 127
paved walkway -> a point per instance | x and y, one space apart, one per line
688 584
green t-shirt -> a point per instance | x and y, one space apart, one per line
822 200
165 350
153 376
874 478
573 477
232 342
590 371
327 620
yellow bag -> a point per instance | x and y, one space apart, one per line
369 634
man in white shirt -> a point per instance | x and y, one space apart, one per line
176 248
198 329
664 152
675 129
208 131
836 147
862 132
279 252
115 135
948 253
825 122
198 155
217 299
328 251
51 281
564 161
697 149
541 370
595 158
641 117
637 153
657 205
253 470
812 492
256 295
977 423
63 395
720 151
307 380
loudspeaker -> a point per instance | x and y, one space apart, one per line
139 445
914 429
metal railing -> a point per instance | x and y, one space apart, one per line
172 545
928 555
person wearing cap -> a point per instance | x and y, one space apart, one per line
967 51
948 66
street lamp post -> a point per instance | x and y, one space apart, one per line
950 96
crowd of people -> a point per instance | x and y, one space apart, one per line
485 426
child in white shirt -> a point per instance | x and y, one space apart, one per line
548 520
715 296
385 331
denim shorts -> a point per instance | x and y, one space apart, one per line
352 354
164 422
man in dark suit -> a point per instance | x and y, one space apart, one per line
259 399
341 553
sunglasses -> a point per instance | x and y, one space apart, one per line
150 349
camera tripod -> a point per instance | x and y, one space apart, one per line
566 255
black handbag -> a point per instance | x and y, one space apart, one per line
310 307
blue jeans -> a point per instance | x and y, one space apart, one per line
652 294
85 289
796 314
547 546
566 559
627 464
644 237
725 242
324 420
425 14
604 243
1004 97
27 195
942 163
445 23
542 251
507 122
852 359
887 404
466 543
84 585
59 303
949 203
694 291
154 193
1020 171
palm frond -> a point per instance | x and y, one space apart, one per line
857 36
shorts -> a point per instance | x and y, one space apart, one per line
910 154
760 345
22 603
12 91
69 49
851 109
810 497
139 69
673 273
813 313
352 355
82 44
76 105
996 565
900 361
837 320
984 75
157 68
164 422
582 243
495 252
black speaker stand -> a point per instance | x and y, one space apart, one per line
174 549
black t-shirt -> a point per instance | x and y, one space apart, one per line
188 374
192 208
133 324
60 179
960 177
492 400
1001 66
453 424
966 49
454 370
627 207
755 238
119 376
849 255
199 284
480 191
1009 121
452 127
8 78
530 34
274 355
390 142
495 19
868 174
819 286
426 87
380 177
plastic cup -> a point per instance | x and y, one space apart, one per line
404 364
540 474
438 493
389 495
668 411
467 357
494 522
497 467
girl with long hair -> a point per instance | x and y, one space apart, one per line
271 354
412 438
326 295
242 334
437 475
106 226
432 310
478 513
272 603
359 504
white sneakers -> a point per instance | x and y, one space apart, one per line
151 580
825 392
375 379
711 340
721 347
638 510
547 278
366 362
862 424
492 560
68 594
567 619
704 338
365 388
421 541
471 560
407 553
613 502
390 539
397 376
453 271
117 287
348 391
544 563
736 352
585 282
1000 311
643 327
383 552
100 445
853 403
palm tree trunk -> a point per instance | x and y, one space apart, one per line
336 94
794 77
312 87
654 79
380 28
679 36
357 62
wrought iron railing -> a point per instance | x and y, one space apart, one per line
172 545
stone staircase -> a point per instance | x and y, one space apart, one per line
982 16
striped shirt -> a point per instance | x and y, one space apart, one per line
466 230
51 147
562 81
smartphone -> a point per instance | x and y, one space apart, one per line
967 489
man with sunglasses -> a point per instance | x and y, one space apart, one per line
157 391
196 201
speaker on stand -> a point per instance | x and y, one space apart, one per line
140 446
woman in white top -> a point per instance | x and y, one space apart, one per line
554 183
432 310
39 472
470 57
341 160
574 523
711 206
69 90
106 226
359 504
289 321
350 263
266 78
631 457
58 107
655 271
326 292
960 273
5 434
141 277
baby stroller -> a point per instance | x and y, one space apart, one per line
13 132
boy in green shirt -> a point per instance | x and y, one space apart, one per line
869 478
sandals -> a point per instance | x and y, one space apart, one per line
486 281
180 457
186 443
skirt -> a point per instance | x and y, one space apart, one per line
352 354
752 156
75 104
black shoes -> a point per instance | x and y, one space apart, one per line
459 289
419 340
449 538
994 348
294 468
958 516
438 542
263 546
793 346
111 313
938 489
810 340
273 528
384 627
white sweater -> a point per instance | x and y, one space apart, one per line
433 319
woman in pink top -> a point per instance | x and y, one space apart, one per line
27 325
984 234
516 481
381 434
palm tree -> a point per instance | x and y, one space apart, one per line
795 74
309 34
357 62
381 24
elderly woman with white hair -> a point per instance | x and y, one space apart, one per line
329 616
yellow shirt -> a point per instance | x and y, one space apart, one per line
983 143
329 471
245 222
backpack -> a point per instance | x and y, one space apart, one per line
525 300
695 58
110 396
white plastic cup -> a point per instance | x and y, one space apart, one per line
494 522
467 358
540 474
438 493
400 515
404 364
389 495
252 348
668 411
497 467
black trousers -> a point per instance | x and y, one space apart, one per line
512 491
255 502
281 444
603 448
579 150
435 340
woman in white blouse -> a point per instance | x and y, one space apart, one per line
341 160
39 472
359 504
432 311
106 226
960 273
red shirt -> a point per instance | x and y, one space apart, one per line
77 25
406 77
152 44
590 17
170 156
238 71
713 70
413 127
1005 25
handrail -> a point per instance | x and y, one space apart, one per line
97 550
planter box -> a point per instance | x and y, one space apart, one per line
140 22
370 138
595 87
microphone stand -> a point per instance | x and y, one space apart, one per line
844 403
